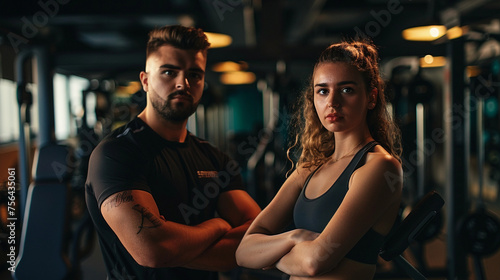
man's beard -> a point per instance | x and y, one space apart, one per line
174 112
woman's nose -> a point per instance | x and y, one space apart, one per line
332 101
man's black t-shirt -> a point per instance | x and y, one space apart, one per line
185 179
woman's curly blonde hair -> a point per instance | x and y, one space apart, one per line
317 143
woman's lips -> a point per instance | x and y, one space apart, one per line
333 117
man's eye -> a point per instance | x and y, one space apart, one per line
168 72
195 75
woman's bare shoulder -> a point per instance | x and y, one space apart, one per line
379 158
380 169
299 175
302 171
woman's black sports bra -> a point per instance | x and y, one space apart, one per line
314 214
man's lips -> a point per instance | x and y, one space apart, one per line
182 97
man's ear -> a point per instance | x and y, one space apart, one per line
144 80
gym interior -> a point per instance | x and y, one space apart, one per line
69 75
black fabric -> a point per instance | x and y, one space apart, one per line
185 180
314 214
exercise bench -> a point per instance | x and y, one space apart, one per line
408 230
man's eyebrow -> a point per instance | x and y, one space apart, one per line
193 69
196 69
171 66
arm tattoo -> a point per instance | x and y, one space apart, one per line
119 198
154 222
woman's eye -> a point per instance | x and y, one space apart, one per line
347 90
322 91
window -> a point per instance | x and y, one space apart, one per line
68 107
9 112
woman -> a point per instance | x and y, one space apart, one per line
347 139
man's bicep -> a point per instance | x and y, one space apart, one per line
237 207
131 214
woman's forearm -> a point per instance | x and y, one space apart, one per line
259 250
308 258
295 261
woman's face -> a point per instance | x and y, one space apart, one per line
340 97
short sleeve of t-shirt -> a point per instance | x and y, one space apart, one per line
116 166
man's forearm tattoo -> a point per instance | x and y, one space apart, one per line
146 217
119 198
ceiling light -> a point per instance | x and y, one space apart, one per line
228 66
456 32
218 40
424 33
129 89
473 71
432 61
237 78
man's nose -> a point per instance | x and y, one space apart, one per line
182 83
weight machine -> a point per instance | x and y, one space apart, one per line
480 230
52 241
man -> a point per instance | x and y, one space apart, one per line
166 204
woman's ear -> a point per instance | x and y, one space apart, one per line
372 99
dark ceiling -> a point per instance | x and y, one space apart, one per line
106 38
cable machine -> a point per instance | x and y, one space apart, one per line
480 230
44 198
52 240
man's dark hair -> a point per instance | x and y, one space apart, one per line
186 38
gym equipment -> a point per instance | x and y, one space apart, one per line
47 235
408 231
44 200
415 93
44 231
421 92
25 100
266 153
480 231
83 233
